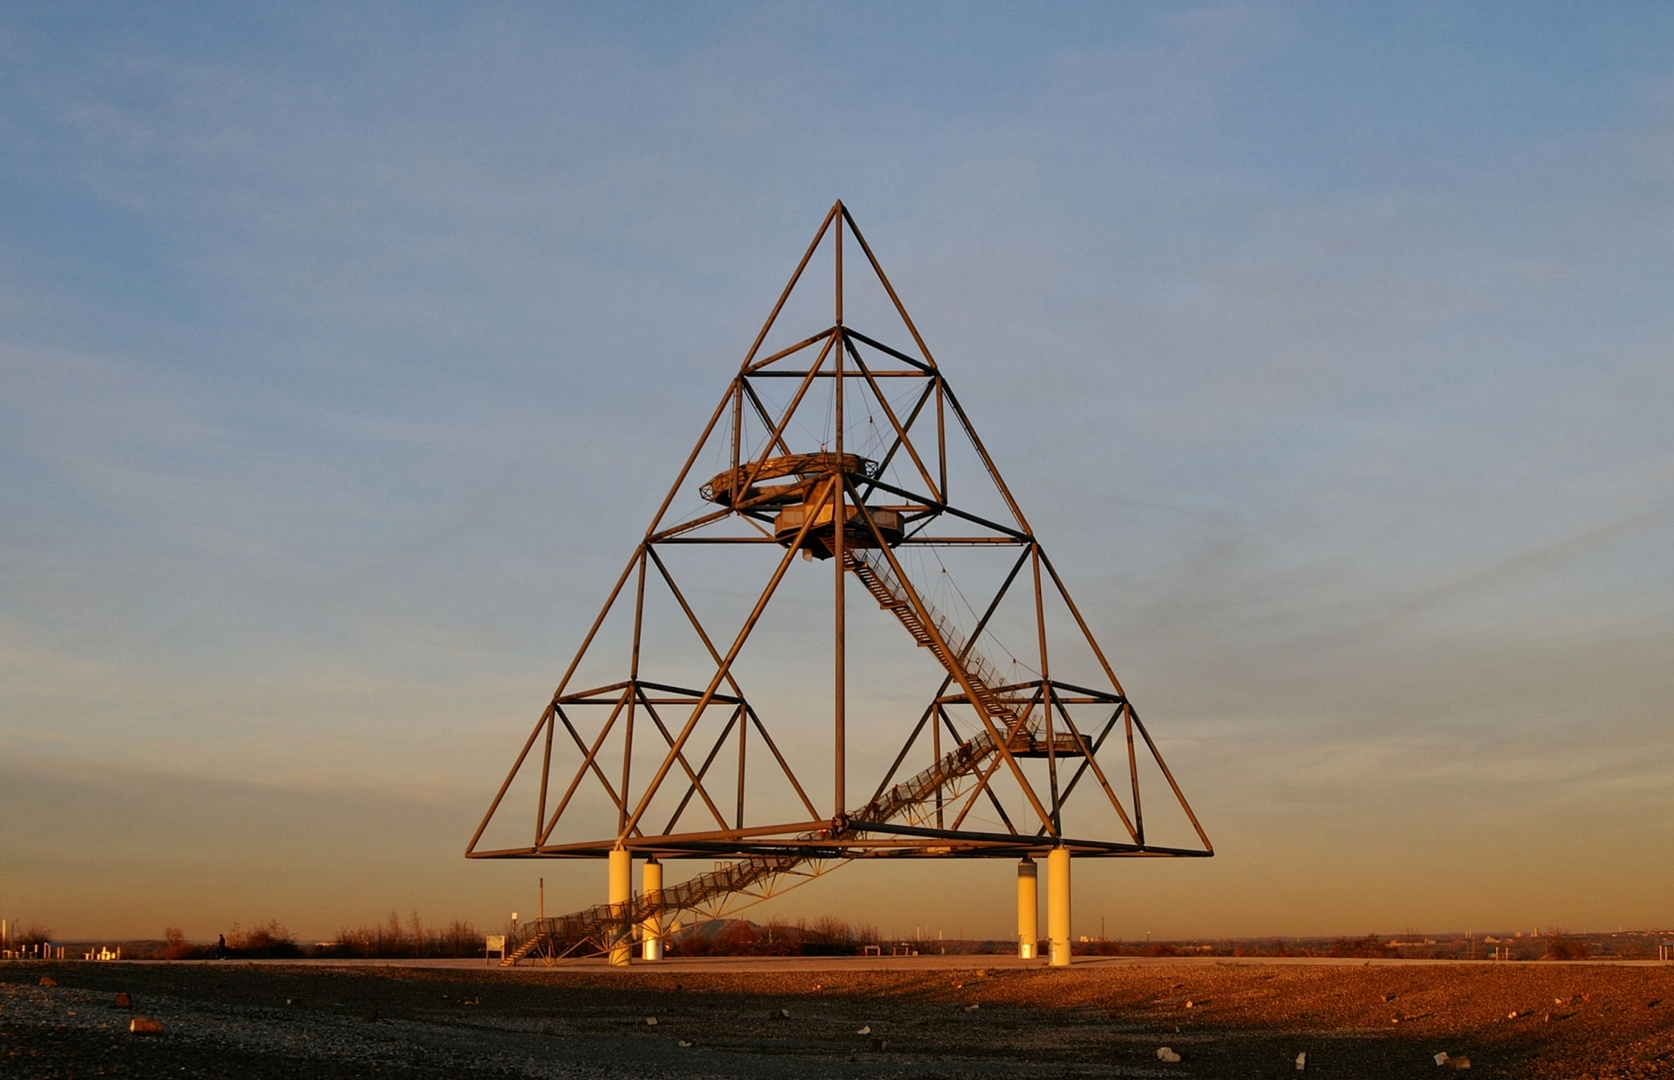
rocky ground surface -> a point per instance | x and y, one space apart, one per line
1229 1019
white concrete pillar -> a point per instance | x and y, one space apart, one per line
1058 905
1028 909
653 925
621 891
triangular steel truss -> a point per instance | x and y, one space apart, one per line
862 509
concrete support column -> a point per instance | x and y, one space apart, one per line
653 925
1058 905
1028 909
621 891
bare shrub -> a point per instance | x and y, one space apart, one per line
832 931
390 940
1369 947
175 946
458 938
831 936
33 934
1561 946
267 940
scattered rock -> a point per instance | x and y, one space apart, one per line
48 980
972 1007
1513 1014
651 1021
1447 1061
880 1045
123 1001
144 1025
1168 1055
867 1030
1389 997
1442 1058
784 1014
1301 1061
685 1042
1653 1003
1189 1002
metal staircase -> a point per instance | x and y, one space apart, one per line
599 925
874 572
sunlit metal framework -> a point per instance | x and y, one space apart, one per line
791 499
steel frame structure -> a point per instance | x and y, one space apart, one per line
831 504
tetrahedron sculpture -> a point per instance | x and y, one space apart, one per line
843 459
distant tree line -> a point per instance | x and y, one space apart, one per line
1553 945
395 939
272 941
827 936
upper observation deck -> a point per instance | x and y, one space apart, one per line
809 492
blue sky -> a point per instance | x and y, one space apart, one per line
344 350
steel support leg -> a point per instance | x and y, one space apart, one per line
621 891
1028 909
653 925
1058 905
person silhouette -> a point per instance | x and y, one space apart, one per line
221 948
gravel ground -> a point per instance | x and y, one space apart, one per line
1231 1019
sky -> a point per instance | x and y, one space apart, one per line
346 351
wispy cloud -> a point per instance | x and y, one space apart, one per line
343 353
1529 567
